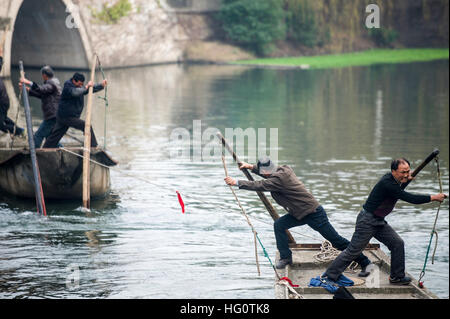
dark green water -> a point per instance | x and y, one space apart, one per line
338 129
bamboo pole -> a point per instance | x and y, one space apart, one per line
425 162
87 143
273 213
34 163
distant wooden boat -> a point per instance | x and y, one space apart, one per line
305 266
61 172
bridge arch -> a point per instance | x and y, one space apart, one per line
45 32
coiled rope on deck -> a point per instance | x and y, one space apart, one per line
329 253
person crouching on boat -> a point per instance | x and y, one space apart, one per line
371 222
70 107
6 124
49 93
303 209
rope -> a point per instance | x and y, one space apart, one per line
282 281
139 177
255 235
328 253
105 98
294 294
161 186
433 231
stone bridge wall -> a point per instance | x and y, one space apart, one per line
64 33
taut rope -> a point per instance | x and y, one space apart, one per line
433 231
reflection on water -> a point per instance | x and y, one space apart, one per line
338 129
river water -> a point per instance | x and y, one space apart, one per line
338 129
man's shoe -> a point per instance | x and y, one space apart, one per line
400 281
283 263
20 132
364 272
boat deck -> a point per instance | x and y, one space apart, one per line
375 286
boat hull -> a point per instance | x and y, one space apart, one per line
61 173
305 266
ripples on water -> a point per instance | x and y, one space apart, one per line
136 243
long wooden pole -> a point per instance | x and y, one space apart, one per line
87 143
36 175
273 213
425 162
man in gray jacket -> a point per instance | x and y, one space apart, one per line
49 93
303 209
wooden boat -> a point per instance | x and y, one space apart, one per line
305 266
60 170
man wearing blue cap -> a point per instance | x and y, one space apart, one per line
303 209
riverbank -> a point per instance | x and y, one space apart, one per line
364 58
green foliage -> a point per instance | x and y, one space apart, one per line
383 37
111 14
301 22
254 24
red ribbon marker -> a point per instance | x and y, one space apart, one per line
289 281
180 200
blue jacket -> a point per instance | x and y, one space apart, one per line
71 103
330 285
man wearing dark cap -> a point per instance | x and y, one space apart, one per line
70 107
371 223
303 209
49 93
6 124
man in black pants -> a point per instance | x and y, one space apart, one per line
70 107
6 124
303 209
370 222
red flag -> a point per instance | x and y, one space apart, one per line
180 200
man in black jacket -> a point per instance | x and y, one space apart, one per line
6 124
49 93
70 107
370 222
303 209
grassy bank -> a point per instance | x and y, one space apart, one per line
378 56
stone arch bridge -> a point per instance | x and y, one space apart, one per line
42 32
64 34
